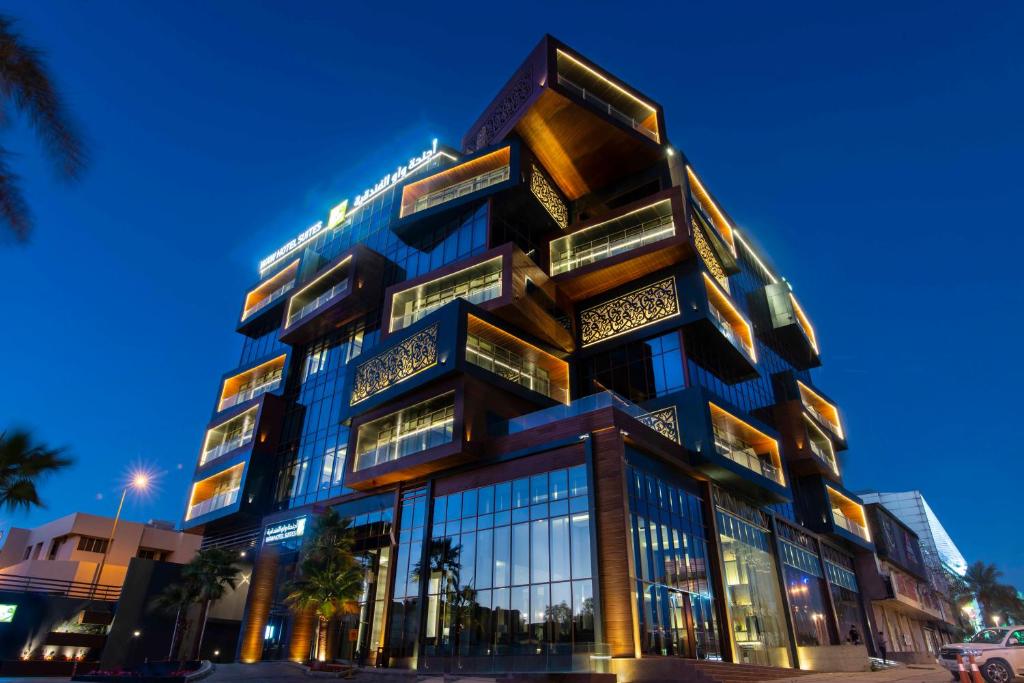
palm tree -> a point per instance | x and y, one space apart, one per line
25 85
330 579
983 581
23 463
210 575
327 590
176 598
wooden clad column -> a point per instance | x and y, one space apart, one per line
615 545
261 595
300 644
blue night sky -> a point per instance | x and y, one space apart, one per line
874 155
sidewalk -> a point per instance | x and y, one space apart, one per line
913 673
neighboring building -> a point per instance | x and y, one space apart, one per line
913 510
915 617
72 547
568 408
946 564
55 604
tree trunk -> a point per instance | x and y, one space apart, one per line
179 628
321 639
202 630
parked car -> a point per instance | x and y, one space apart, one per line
998 652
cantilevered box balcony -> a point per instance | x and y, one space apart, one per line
227 436
241 430
266 299
711 216
459 340
787 328
503 354
739 452
249 384
848 516
824 413
586 127
632 242
503 280
217 493
344 289
718 335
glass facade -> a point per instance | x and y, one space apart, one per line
638 371
754 603
510 574
674 594
410 430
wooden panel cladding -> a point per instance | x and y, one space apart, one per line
614 546
261 595
300 644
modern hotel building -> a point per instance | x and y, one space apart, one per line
567 406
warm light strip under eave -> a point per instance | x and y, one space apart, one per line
318 278
529 345
604 78
805 322
837 424
775 451
728 224
732 307
619 218
753 255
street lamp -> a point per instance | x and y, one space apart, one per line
139 482
995 620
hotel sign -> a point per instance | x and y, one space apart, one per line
340 212
282 531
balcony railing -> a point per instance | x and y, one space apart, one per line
71 589
743 454
822 453
271 298
433 433
216 502
622 116
613 244
828 422
580 406
844 522
510 365
252 392
469 186
316 303
226 446
473 296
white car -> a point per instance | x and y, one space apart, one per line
998 652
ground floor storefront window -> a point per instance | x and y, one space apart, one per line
674 594
753 600
806 588
842 583
509 576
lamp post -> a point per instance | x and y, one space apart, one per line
139 482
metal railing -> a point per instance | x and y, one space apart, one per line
611 244
743 454
271 298
473 296
622 116
418 439
229 445
469 186
580 406
70 589
215 502
828 422
251 392
845 522
821 453
508 364
316 303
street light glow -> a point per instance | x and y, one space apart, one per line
140 481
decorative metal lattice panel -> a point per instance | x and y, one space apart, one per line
629 312
415 354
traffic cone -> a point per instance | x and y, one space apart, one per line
975 672
963 672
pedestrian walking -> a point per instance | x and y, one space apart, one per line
883 646
854 634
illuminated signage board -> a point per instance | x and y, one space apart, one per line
282 531
7 613
340 212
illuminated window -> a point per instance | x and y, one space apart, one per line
270 291
805 323
325 288
476 284
727 318
820 444
410 430
848 514
248 385
825 412
613 237
216 492
458 181
638 371
91 544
